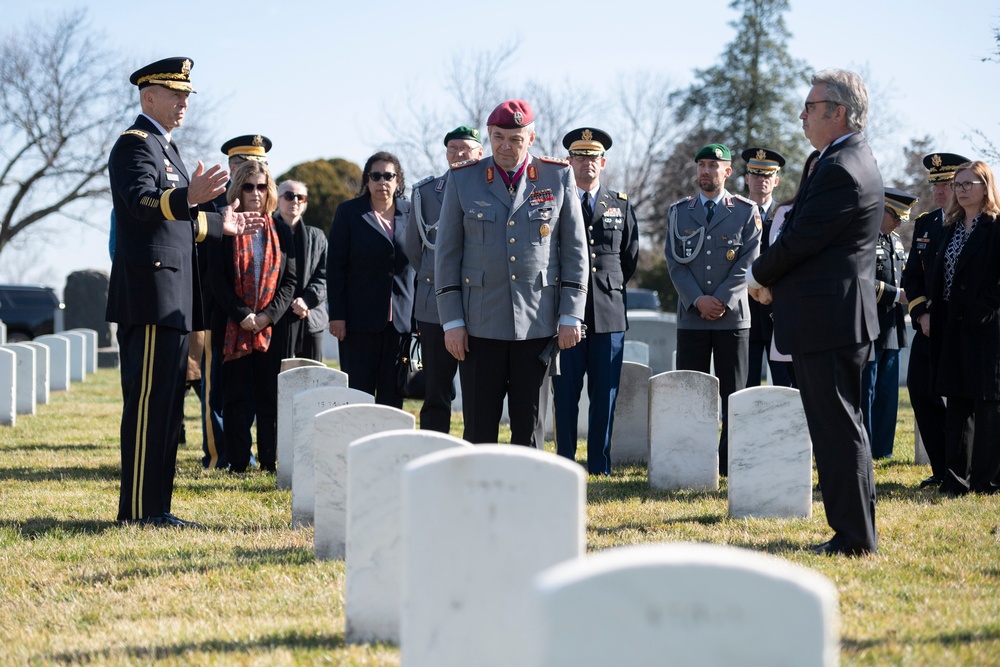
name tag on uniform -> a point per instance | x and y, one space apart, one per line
173 177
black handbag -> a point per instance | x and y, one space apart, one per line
410 366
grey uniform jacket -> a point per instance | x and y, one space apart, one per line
426 200
510 268
717 256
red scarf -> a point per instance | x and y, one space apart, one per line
240 342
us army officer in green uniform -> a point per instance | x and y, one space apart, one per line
711 240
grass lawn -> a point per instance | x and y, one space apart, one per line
78 588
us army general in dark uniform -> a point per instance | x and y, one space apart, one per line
712 239
928 406
462 143
613 237
510 270
880 380
155 292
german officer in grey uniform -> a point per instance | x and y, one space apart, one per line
928 405
712 239
462 144
510 271
880 379
613 237
155 292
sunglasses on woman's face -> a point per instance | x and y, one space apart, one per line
293 196
378 176
250 187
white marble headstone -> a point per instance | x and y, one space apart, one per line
637 352
8 387
58 361
24 369
77 355
659 332
305 406
89 349
630 440
335 430
684 431
770 454
292 382
299 362
41 372
682 604
374 485
3 333
478 525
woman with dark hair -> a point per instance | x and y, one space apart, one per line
370 281
253 278
965 331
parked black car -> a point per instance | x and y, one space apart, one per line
28 311
643 299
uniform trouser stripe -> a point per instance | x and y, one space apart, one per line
213 448
141 422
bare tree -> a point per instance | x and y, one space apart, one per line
59 114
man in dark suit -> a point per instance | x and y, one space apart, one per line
510 271
613 235
762 177
928 406
880 381
461 144
155 290
821 273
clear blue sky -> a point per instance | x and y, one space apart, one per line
316 77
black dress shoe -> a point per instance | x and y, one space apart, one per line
933 480
144 521
175 521
831 548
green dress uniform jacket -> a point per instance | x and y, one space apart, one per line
711 258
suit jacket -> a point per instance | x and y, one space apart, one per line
613 238
366 271
965 331
730 242
889 261
223 278
821 270
761 325
511 267
154 273
927 233
428 195
310 270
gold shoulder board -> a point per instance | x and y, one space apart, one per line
138 133
554 160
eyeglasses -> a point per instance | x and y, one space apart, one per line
378 176
250 187
293 196
808 105
964 186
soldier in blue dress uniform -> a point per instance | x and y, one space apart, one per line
613 238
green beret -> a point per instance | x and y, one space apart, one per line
714 152
463 132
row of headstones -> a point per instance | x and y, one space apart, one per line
29 371
474 555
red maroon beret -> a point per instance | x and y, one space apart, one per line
511 115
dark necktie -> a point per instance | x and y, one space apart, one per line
588 210
709 210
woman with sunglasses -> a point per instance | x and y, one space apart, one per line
306 319
369 280
965 331
253 278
